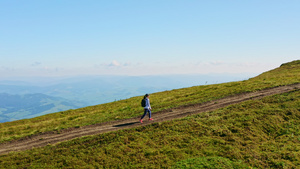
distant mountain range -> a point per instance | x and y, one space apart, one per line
14 107
27 98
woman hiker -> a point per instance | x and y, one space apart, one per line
147 107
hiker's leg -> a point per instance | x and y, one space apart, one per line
149 113
145 112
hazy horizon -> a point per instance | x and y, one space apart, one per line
37 96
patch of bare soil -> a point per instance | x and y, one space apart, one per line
175 113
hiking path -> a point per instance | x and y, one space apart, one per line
52 138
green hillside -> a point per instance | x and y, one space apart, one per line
261 133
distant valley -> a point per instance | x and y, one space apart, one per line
14 107
27 98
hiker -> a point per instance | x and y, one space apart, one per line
147 107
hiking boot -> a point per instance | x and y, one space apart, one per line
141 121
150 119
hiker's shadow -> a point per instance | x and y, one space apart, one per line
125 124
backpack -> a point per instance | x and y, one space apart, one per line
143 103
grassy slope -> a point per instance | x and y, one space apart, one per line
261 133
257 133
286 74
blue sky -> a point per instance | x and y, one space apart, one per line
136 37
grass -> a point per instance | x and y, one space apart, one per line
261 133
286 74
210 162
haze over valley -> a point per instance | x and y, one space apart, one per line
33 97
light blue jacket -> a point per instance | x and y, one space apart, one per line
147 104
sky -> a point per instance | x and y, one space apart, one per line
138 37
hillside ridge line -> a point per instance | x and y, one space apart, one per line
174 113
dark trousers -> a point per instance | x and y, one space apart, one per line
145 112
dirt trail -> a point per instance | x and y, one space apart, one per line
68 134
